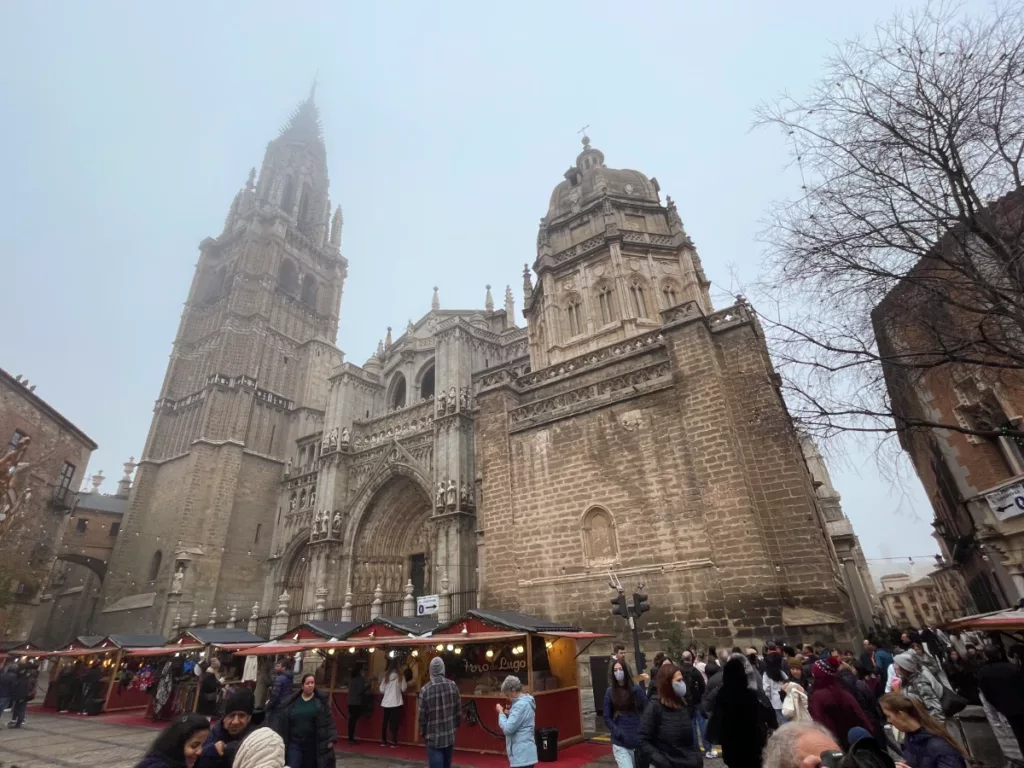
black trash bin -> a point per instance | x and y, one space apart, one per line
547 744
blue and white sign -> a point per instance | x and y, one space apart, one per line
427 605
1007 502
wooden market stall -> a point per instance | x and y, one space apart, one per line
100 674
1009 622
19 651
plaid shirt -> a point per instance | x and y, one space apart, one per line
440 712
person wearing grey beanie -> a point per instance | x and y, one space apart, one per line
440 715
263 748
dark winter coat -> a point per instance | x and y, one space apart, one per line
326 733
22 686
741 721
208 688
159 761
862 692
280 690
1003 686
707 702
926 750
695 688
210 758
358 691
625 726
963 678
7 680
666 737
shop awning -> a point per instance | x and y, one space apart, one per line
1011 620
270 649
163 650
461 639
82 652
576 635
235 646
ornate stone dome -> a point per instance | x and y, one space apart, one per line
590 178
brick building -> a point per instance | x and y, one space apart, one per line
628 427
72 593
975 481
50 470
916 604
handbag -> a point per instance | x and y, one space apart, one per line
951 702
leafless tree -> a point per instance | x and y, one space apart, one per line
909 151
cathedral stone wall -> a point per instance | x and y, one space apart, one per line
674 465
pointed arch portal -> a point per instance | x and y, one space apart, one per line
393 541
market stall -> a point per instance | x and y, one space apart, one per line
1008 622
479 649
19 651
97 678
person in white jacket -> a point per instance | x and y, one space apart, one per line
393 685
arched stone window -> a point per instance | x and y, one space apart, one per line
638 297
606 303
154 565
574 315
427 383
288 198
669 294
398 393
599 540
309 290
288 276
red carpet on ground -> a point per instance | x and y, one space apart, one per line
571 757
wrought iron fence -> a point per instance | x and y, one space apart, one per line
463 601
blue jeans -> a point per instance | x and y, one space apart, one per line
700 731
437 757
5 702
623 756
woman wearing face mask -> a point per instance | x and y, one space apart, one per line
624 702
178 745
666 731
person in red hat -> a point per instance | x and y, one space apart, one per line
832 705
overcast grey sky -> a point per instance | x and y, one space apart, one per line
127 131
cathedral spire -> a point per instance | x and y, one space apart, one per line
304 123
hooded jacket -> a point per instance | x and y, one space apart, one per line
918 682
440 708
517 726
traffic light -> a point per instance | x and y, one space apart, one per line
640 604
619 606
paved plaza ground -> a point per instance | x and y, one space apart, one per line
51 741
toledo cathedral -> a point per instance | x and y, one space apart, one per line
622 425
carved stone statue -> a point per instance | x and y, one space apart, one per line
439 499
330 440
176 582
442 403
465 495
291 503
452 495
325 523
312 497
464 398
288 467
345 434
336 525
452 395
315 527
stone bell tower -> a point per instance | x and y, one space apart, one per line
248 370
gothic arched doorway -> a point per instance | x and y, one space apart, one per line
393 542
296 581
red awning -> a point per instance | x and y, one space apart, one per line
269 649
82 652
576 635
1010 620
163 650
236 646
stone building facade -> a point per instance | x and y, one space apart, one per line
854 566
43 493
627 427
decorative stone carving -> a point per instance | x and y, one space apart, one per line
291 503
312 497
631 420
451 495
330 442
599 536
439 498
464 398
177 580
442 404
288 467
345 436
336 525
451 400
465 495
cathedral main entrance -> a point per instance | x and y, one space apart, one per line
394 543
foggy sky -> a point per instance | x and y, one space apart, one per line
129 128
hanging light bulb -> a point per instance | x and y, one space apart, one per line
352 649
489 654
415 653
440 647
372 650
451 647
391 654
458 651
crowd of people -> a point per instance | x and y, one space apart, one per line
735 704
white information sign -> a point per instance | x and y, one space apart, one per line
427 605
1007 502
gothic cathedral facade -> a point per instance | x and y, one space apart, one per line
629 427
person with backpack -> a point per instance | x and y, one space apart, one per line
624 704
